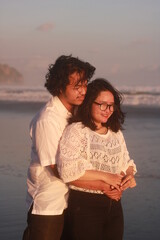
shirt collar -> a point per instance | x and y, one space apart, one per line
57 102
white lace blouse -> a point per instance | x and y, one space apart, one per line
82 149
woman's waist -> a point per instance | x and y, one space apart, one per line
72 187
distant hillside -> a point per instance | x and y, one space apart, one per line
9 75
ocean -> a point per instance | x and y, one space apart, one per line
142 134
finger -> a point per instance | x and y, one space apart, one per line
119 177
133 183
113 197
122 174
126 185
126 179
114 194
117 187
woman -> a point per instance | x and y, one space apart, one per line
94 144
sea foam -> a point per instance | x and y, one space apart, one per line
149 96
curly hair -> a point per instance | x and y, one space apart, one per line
83 113
58 73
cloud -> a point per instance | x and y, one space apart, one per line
37 63
150 68
46 27
140 41
93 51
147 74
115 69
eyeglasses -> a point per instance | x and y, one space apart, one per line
104 106
81 87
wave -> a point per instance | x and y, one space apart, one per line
137 96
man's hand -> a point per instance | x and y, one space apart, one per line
128 181
55 171
112 192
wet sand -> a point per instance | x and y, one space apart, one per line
141 205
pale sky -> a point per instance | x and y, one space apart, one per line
121 38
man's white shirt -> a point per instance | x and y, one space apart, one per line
48 192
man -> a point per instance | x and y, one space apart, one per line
66 81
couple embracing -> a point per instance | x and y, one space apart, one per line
79 165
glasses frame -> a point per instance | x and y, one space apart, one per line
80 86
106 106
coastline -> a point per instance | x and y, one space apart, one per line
30 106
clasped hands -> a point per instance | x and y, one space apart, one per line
128 181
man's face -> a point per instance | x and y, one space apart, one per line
75 91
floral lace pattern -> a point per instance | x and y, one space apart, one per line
82 149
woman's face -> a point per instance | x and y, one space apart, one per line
102 108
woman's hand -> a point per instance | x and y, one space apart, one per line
128 181
114 180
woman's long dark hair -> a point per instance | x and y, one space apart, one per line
83 113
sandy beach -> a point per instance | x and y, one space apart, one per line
141 205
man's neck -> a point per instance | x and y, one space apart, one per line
67 105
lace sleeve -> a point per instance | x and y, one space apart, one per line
126 161
72 155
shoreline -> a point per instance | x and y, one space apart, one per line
130 110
